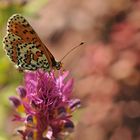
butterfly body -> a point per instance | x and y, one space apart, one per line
24 47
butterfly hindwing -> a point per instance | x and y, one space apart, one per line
10 45
29 57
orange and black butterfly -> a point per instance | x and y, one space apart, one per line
24 47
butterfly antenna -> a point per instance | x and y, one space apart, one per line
71 50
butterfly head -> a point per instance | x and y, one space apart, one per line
58 65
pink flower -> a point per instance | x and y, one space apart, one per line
47 106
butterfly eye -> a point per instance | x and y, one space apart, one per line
58 65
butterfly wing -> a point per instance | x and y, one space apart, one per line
24 47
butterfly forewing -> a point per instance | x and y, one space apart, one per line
24 47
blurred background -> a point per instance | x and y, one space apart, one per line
106 69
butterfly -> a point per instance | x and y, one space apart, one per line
24 47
